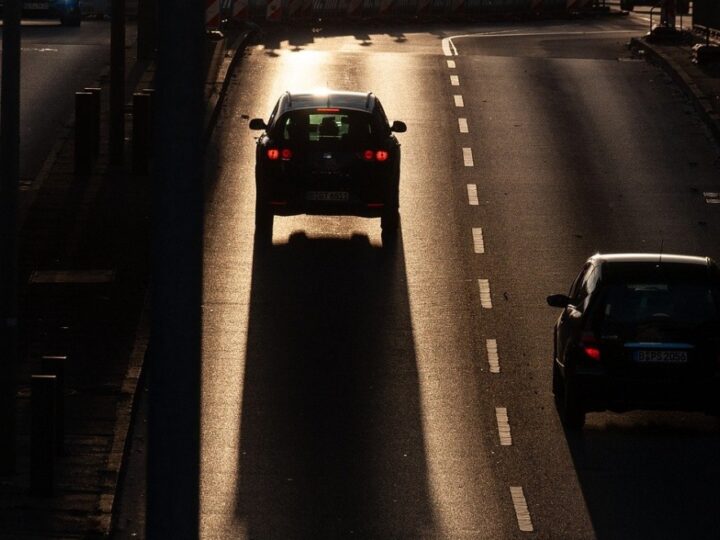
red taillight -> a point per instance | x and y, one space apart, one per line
273 153
327 109
286 154
368 155
381 155
591 351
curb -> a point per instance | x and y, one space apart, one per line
701 102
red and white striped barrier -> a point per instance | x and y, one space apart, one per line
212 14
385 7
274 11
354 8
240 10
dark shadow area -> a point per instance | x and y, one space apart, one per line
652 480
332 442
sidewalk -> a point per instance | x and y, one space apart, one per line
701 83
83 274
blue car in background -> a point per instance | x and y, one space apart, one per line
66 11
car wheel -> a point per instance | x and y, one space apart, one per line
572 414
390 220
264 219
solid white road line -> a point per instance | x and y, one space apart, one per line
503 423
478 241
472 194
463 125
454 80
493 356
521 509
458 100
485 298
451 64
467 157
448 47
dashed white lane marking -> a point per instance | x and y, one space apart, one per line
459 101
485 298
467 157
493 356
521 509
503 423
454 80
478 241
451 64
463 125
472 194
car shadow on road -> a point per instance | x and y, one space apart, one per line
331 436
654 478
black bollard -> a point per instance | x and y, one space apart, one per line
141 134
150 92
42 442
97 108
55 365
84 132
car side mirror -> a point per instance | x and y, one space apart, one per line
558 300
398 127
257 123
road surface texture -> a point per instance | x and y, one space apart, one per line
351 390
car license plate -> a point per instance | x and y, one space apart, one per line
327 196
661 357
36 5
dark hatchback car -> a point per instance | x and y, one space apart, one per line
66 11
331 153
638 331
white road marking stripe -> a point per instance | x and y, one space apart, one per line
467 157
503 423
485 298
448 47
472 194
454 80
493 356
459 101
463 125
521 509
478 241
451 64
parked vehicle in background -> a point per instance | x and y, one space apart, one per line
638 331
68 12
329 152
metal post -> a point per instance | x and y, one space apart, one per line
9 180
147 22
84 132
97 111
141 133
174 398
117 83
42 442
55 365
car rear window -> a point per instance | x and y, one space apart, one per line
325 125
666 306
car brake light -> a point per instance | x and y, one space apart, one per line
286 154
381 155
328 109
591 351
368 155
273 153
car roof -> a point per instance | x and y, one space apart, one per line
624 266
360 101
605 258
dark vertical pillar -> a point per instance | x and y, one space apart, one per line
147 24
174 394
42 438
9 179
117 83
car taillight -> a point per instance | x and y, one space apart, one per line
379 155
273 153
286 154
589 346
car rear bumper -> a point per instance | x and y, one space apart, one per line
289 208
601 392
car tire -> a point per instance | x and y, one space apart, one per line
572 413
264 219
390 220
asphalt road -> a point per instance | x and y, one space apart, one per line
348 391
56 62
